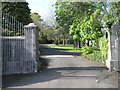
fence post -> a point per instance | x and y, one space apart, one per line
30 39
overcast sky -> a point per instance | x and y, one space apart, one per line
42 7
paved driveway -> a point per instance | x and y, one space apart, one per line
65 70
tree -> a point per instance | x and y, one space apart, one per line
69 15
63 16
19 10
112 14
91 28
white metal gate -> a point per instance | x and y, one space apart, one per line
115 45
18 51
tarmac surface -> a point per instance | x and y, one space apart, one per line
65 70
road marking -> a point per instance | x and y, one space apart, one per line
59 56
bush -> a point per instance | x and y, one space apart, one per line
96 55
103 44
88 50
92 53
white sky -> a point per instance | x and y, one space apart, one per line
42 7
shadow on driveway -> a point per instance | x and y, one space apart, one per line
45 50
50 74
45 76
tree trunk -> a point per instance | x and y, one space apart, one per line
66 41
97 44
58 40
81 43
78 44
63 40
87 42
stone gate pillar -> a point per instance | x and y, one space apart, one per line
113 61
30 41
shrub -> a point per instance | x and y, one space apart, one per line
96 55
103 44
92 53
88 50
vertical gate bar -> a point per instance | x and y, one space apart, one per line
12 44
33 64
20 48
0 47
9 21
8 41
7 44
2 28
4 45
26 50
14 25
4 42
32 48
16 59
23 47
30 51
15 43
30 59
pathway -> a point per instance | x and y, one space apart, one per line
65 70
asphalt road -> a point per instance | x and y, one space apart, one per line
65 70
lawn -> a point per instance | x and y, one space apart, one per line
90 52
68 47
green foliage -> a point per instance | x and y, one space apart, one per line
68 47
88 50
92 53
19 10
112 15
96 55
103 43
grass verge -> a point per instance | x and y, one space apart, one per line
68 47
93 53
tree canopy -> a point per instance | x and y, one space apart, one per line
84 20
19 10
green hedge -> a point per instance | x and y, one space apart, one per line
97 54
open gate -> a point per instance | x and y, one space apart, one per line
18 46
115 45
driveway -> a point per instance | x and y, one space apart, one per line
65 70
